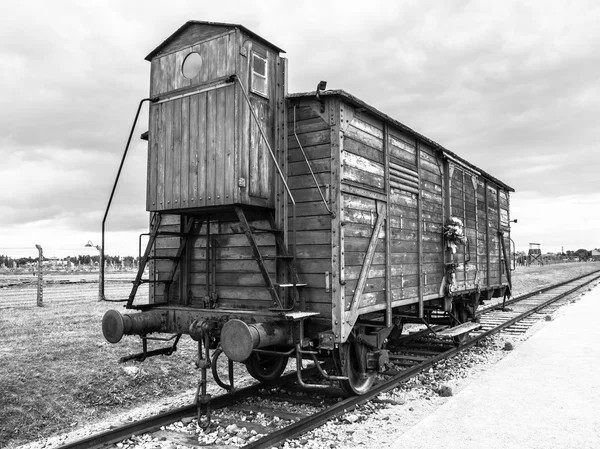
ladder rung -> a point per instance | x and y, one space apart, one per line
273 230
277 257
171 233
163 257
289 285
154 281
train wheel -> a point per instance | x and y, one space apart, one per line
352 361
460 311
266 367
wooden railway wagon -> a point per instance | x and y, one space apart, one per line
308 225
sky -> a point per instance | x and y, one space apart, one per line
513 87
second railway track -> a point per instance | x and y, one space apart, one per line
258 417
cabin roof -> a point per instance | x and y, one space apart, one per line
190 23
361 104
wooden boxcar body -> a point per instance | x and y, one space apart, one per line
305 221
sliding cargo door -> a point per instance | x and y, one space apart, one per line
463 202
364 254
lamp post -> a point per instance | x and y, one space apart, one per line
101 280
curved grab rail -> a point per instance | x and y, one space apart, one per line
112 193
309 167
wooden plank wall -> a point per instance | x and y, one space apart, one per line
253 162
191 155
239 283
218 61
313 221
363 167
482 234
404 215
493 246
463 206
416 247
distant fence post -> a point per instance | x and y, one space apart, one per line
40 289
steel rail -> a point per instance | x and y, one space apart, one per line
154 422
318 419
533 293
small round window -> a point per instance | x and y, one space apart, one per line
192 65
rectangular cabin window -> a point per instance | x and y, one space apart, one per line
259 75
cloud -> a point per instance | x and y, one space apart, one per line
509 86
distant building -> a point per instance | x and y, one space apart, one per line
596 255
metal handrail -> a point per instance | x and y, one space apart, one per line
310 168
287 188
112 193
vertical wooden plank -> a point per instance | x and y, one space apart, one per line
162 156
154 76
420 231
152 157
388 227
211 140
244 146
221 125
265 160
487 232
204 54
447 214
194 131
229 176
254 151
475 199
170 71
176 166
230 65
159 77
464 220
212 59
202 149
500 237
185 151
336 113
221 56
179 80
282 139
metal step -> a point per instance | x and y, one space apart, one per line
458 330
155 281
288 285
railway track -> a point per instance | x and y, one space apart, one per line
259 417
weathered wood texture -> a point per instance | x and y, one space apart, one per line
191 160
193 34
308 132
206 148
218 61
348 151
237 279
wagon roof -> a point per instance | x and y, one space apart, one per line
357 102
189 23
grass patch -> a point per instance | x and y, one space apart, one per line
58 373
